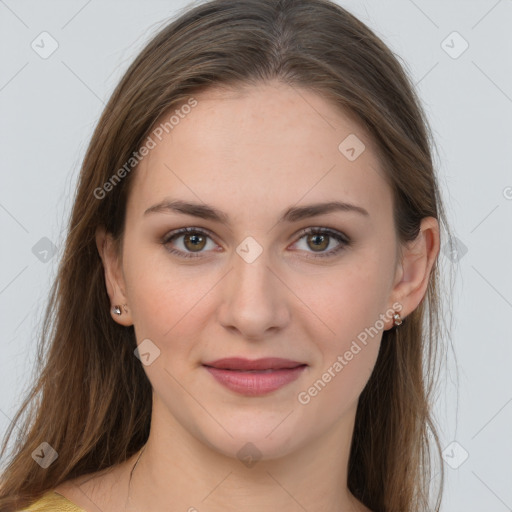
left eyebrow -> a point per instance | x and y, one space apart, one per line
292 214
296 213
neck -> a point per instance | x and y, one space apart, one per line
175 469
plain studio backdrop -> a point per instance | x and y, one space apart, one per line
60 61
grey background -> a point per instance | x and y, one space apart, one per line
49 107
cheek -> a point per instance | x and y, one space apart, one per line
348 336
166 307
333 390
347 299
170 305
346 359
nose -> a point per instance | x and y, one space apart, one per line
255 300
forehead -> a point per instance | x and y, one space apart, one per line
270 143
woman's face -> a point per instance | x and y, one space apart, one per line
252 168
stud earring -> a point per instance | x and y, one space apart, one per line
397 319
117 310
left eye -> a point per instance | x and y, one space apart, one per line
320 239
194 240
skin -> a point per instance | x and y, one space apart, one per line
252 153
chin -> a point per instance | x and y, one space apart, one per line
252 442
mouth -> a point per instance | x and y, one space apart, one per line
253 378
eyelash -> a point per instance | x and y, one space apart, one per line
339 237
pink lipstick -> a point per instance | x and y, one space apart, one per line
256 377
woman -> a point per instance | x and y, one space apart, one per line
240 316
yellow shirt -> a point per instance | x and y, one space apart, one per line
53 502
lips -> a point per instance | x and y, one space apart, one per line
258 365
254 378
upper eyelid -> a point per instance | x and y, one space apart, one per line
183 231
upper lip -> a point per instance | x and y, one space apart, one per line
266 363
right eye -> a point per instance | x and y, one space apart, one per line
193 241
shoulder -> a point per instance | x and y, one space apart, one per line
98 491
53 502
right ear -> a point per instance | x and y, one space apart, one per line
114 279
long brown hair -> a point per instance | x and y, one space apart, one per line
92 400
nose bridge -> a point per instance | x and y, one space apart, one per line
254 300
251 277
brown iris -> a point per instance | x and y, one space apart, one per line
321 242
196 240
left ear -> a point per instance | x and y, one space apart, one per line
413 272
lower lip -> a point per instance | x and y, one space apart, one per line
255 383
